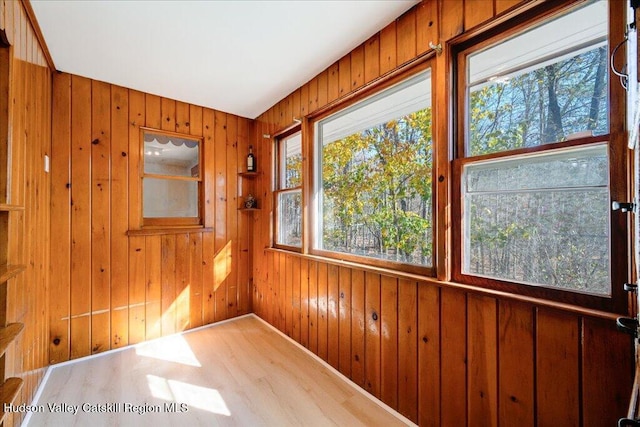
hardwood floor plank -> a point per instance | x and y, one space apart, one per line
240 372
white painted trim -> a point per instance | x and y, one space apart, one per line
355 386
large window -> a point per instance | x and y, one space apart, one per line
171 179
534 168
288 192
373 195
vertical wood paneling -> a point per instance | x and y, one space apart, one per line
245 225
344 75
282 292
287 302
153 274
450 18
59 345
80 217
333 82
557 378
372 334
119 216
442 356
323 319
453 321
232 215
168 112
344 322
153 113
358 313
137 118
357 67
168 278
372 58
389 341
222 247
426 25
295 298
388 52
428 355
408 349
607 373
314 306
333 296
183 121
182 293
323 89
482 350
304 303
476 12
406 36
137 294
516 369
313 95
304 99
100 217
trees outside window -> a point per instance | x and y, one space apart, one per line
535 166
375 176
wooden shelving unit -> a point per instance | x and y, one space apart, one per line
251 176
8 392
11 165
10 271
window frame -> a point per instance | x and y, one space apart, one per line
618 166
278 189
171 222
314 174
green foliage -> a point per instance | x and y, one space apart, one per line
377 187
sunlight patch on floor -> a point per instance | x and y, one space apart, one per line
171 349
204 398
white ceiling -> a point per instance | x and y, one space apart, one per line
236 56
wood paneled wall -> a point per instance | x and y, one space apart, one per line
108 288
445 356
30 141
440 353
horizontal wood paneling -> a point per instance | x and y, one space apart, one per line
126 289
441 356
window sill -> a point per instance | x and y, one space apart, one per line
584 311
169 230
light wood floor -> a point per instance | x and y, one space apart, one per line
239 373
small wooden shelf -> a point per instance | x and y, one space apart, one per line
8 334
248 209
172 230
6 208
8 271
249 174
8 392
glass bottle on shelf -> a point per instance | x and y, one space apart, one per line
251 160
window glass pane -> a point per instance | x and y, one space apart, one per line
376 176
170 198
170 155
544 221
546 85
290 218
292 161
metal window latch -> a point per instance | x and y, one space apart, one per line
628 325
630 287
623 206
